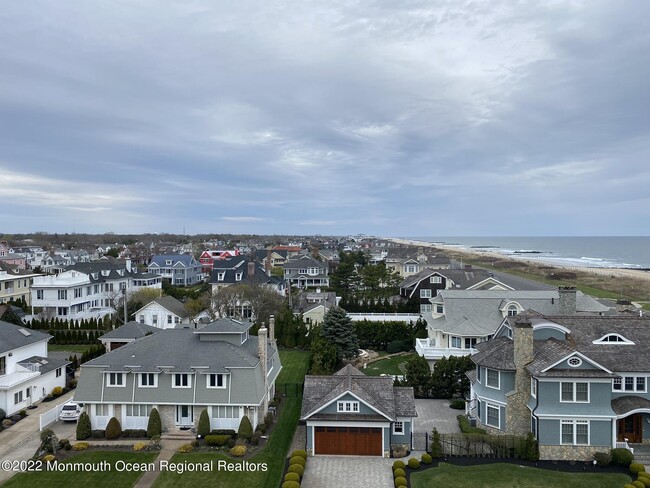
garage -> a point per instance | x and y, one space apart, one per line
357 441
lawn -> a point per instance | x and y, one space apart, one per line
512 476
73 348
294 366
387 366
94 479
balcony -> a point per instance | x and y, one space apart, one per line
423 348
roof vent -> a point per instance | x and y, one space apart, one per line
24 332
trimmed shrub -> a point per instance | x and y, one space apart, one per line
292 477
399 472
636 468
426 458
413 463
638 484
401 481
298 460
195 443
621 457
57 391
255 438
268 420
229 432
80 446
113 429
296 468
203 428
290 484
457 404
466 427
436 444
49 458
398 464
261 429
186 448
83 427
98 434
299 453
245 430
238 451
154 425
530 451
217 440
134 433
232 443
644 479
23 413
140 446
603 458
65 445
629 485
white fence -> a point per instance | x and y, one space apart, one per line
50 416
385 317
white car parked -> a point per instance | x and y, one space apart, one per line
71 411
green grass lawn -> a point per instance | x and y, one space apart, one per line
387 366
512 476
294 365
273 455
73 348
89 479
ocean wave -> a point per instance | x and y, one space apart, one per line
587 258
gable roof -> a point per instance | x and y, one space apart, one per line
184 259
130 330
13 336
377 392
168 303
225 325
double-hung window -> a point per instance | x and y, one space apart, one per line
574 432
182 380
115 379
456 342
216 380
492 378
575 392
492 413
148 380
425 293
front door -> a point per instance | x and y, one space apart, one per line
630 428
184 416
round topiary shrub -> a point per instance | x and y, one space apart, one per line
299 453
238 451
399 472
629 485
638 484
401 481
80 446
636 468
398 464
140 446
292 477
113 429
414 463
296 468
426 458
621 456
290 484
186 448
603 458
644 479
298 460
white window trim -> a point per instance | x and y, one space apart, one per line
622 379
435 279
575 392
155 381
189 380
575 431
340 406
623 342
487 378
395 432
425 293
487 416
215 387
108 380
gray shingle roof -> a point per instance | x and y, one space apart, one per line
181 350
11 336
376 391
130 330
45 365
171 304
624 404
225 325
496 354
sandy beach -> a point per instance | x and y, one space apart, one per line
479 253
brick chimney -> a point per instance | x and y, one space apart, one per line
267 265
272 329
568 304
262 352
251 269
517 413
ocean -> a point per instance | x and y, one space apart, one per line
602 252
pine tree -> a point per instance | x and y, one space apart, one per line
338 329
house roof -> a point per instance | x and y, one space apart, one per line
377 392
45 365
13 336
184 259
623 405
303 261
168 303
229 268
181 350
225 325
477 312
130 330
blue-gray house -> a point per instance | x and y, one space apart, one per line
354 414
180 269
578 383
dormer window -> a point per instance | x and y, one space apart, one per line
512 311
168 262
238 276
221 276
613 339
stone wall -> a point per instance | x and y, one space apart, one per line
167 417
570 453
517 412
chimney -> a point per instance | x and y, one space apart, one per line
267 265
272 329
251 269
128 264
262 353
568 304
517 413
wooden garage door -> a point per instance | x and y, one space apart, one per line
358 441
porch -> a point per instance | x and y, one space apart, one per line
425 348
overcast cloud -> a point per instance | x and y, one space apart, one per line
411 118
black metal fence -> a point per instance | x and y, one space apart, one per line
420 441
289 389
485 445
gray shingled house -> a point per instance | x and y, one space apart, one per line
218 367
354 414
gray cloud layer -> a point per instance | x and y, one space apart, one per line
393 118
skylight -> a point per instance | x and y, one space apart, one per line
24 332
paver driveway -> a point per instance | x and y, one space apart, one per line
338 471
436 413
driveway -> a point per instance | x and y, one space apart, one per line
436 413
331 471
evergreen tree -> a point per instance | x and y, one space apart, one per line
338 329
418 375
154 426
203 427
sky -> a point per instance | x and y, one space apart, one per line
409 118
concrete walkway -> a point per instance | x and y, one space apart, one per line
335 471
167 451
20 441
436 413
